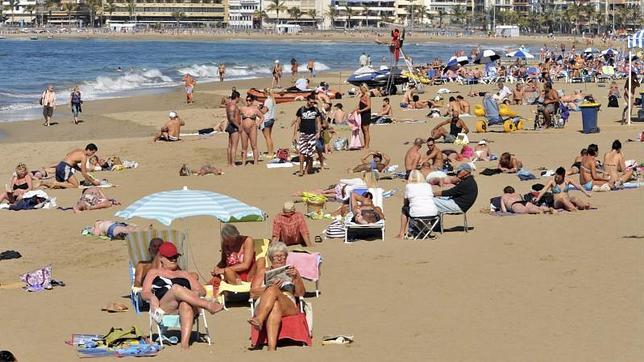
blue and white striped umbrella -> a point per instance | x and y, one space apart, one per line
636 40
167 206
609 52
520 54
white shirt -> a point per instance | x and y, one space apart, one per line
364 60
504 92
421 200
269 103
301 84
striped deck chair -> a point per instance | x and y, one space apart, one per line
138 249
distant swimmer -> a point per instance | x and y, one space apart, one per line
310 65
222 71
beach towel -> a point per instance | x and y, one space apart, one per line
306 263
279 165
525 175
355 124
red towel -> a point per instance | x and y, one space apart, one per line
294 327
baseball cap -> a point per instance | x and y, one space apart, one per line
172 114
464 167
288 207
168 250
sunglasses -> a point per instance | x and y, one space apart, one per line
173 258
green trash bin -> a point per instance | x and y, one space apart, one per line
589 112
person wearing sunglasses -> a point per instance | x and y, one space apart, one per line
170 290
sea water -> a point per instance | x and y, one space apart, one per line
121 68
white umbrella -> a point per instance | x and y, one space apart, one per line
520 54
488 56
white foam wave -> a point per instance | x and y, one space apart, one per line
18 107
211 71
16 95
152 78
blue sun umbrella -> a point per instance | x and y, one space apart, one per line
166 206
523 54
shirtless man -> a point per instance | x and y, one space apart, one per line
588 174
434 155
171 130
413 156
453 106
408 97
614 165
75 160
310 65
222 71
234 125
465 105
379 162
550 103
277 74
189 84
115 229
251 118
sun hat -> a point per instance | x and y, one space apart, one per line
288 207
172 114
168 250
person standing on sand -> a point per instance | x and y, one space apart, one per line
251 118
234 124
222 71
308 124
277 74
75 160
310 65
48 102
189 83
268 108
364 108
76 101
294 69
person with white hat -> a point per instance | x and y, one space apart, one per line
171 130
277 74
482 151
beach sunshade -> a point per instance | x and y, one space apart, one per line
488 56
609 52
456 62
520 54
167 206
591 50
636 40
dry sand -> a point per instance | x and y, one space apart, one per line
565 287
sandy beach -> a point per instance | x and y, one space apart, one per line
563 287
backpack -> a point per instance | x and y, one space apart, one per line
283 155
612 101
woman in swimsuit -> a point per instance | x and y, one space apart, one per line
614 164
251 118
93 198
574 168
559 186
277 297
588 174
21 183
277 74
364 108
512 201
170 290
364 210
237 262
508 163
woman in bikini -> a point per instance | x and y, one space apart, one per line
364 211
276 297
364 108
21 183
512 201
277 74
251 117
93 198
170 290
574 168
614 165
559 186
588 174
508 163
237 262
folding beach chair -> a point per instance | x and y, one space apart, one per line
349 225
297 328
442 214
308 265
138 249
607 73
422 227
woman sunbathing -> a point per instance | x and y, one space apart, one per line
512 201
379 162
559 186
204 170
276 297
93 198
574 169
237 262
509 163
170 290
20 184
364 211
615 166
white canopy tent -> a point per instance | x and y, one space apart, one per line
635 41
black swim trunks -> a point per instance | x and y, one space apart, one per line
231 128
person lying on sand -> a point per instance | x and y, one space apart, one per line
379 162
482 151
204 170
115 229
171 130
75 160
508 163
559 186
512 201
93 198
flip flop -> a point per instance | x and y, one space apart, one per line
341 339
115 308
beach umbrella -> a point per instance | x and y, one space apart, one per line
456 62
610 52
488 56
591 51
167 206
520 54
635 41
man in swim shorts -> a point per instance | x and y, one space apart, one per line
75 160
171 130
233 115
189 84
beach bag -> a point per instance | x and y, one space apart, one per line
612 101
283 155
335 230
340 144
37 280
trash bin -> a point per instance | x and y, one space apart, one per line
589 117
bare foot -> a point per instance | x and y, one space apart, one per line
255 323
214 307
399 236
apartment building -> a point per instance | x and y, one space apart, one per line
364 12
22 12
306 8
189 12
241 13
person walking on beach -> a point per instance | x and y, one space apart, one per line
294 68
251 118
76 101
308 125
364 108
268 108
48 102
189 83
222 71
310 65
277 74
234 124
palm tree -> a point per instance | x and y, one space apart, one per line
69 8
12 4
93 6
294 13
441 15
109 7
332 12
259 15
350 12
178 15
131 8
421 11
458 13
30 9
277 6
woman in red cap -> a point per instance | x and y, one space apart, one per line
170 290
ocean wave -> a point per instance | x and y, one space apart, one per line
211 71
18 107
133 80
19 95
